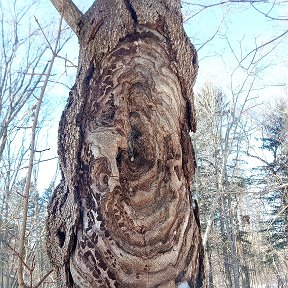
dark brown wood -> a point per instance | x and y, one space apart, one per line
70 13
122 215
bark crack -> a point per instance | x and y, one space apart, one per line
132 11
190 116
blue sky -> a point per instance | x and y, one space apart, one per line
243 26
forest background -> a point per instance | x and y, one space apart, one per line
241 142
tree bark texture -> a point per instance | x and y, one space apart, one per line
122 215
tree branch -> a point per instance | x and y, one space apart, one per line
43 279
70 12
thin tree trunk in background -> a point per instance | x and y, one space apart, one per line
27 187
245 276
232 244
2 259
226 263
3 238
244 253
122 215
5 271
210 267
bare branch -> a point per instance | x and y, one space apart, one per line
70 13
43 33
43 279
267 15
19 256
263 45
203 7
27 187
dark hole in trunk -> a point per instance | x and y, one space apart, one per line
61 236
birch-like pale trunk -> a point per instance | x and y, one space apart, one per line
122 215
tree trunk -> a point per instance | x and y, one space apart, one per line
122 215
226 263
232 243
210 268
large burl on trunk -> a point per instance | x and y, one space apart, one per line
122 215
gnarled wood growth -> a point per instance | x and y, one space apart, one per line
122 215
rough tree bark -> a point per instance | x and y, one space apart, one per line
122 215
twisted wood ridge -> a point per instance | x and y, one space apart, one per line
122 215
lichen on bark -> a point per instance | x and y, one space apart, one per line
122 215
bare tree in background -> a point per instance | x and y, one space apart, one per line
25 72
251 270
272 176
21 75
219 179
28 179
122 215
